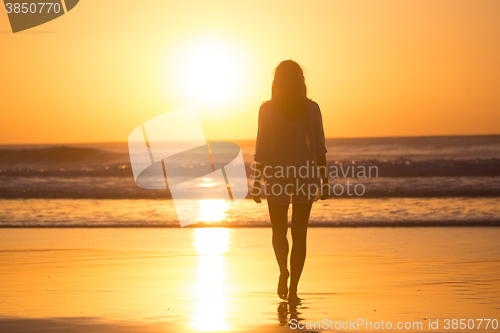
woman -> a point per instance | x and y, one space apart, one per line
290 148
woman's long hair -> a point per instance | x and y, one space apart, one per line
289 92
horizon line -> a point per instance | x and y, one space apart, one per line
223 140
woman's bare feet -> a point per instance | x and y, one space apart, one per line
293 298
283 285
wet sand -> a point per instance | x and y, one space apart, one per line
217 279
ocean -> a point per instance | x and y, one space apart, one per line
416 181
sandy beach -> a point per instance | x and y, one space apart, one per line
219 279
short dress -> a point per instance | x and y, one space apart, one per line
289 149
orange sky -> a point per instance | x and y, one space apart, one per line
377 68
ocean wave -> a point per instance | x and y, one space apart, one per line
125 188
64 161
386 212
58 157
378 224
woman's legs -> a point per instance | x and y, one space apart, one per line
300 220
279 219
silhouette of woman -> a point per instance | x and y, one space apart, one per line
291 155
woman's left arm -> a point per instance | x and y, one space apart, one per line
259 171
262 152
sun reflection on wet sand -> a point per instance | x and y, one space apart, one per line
211 244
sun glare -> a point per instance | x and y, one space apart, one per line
212 210
210 71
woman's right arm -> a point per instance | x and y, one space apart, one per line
321 159
323 169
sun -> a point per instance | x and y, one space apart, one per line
209 71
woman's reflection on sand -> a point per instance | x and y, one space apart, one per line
290 311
